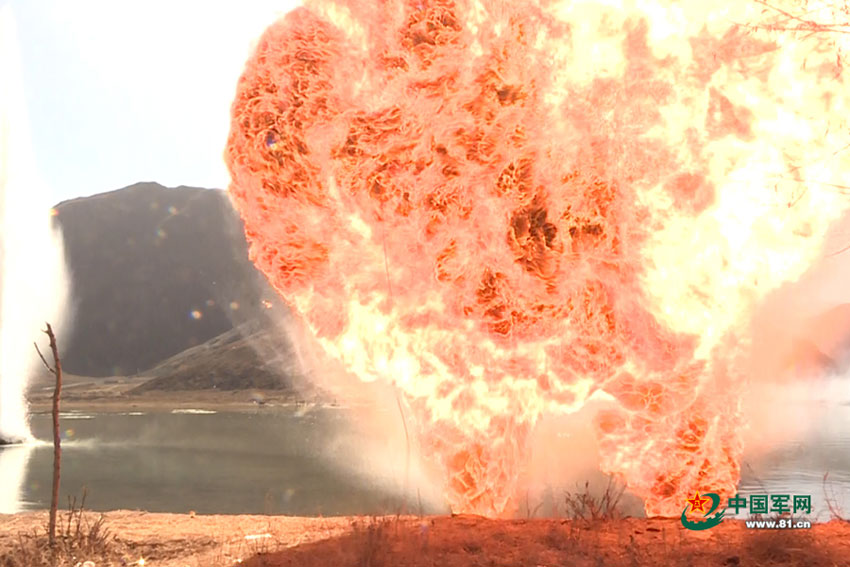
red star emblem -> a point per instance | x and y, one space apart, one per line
697 503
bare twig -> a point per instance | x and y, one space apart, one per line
822 28
57 449
407 439
49 368
837 252
834 508
584 506
789 15
802 24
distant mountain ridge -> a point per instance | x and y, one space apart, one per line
154 271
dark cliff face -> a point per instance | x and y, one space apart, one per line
154 271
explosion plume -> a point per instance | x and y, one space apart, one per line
33 274
505 207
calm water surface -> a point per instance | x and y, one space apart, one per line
274 460
263 462
805 436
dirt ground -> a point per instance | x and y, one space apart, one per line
182 540
173 540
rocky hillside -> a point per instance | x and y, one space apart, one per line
155 271
254 355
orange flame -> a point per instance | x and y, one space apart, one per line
505 207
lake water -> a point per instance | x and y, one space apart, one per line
802 433
276 460
266 462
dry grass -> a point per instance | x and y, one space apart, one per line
792 547
372 542
595 535
80 538
583 505
449 541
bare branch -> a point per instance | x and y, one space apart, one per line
49 368
786 14
803 24
801 28
831 254
57 448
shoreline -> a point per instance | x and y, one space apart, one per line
113 395
237 401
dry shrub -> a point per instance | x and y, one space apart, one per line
791 547
585 506
81 538
372 542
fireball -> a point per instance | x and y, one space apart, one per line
503 208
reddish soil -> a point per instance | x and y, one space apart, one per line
178 540
475 541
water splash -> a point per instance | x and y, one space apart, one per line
13 474
33 275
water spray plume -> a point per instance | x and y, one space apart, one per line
504 208
33 281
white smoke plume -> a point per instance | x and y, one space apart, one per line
34 283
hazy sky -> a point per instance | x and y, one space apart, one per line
119 92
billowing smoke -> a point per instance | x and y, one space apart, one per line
501 208
34 284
